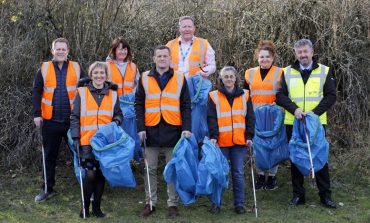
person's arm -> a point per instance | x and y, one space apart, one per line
82 73
75 117
250 120
185 107
137 78
38 87
117 113
246 86
212 119
140 106
210 61
282 98
329 98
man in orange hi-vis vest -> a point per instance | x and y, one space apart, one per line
52 96
191 55
163 114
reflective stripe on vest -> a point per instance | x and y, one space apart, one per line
164 103
126 81
263 91
196 58
92 116
50 83
231 121
306 96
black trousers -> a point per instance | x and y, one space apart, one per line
52 135
321 176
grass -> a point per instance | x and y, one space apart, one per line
124 205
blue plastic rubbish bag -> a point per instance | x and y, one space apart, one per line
129 122
213 173
75 158
199 89
319 145
181 170
270 141
114 149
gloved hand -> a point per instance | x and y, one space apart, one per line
249 143
117 122
142 136
186 134
213 141
76 145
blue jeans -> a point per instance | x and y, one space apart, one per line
236 155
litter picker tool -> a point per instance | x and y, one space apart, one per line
254 186
148 178
308 146
81 182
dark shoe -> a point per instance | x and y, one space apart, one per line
87 214
297 201
42 196
214 209
260 183
173 212
96 211
146 212
328 202
240 209
271 183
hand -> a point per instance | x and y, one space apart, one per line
142 135
186 134
249 143
38 122
213 141
298 113
115 121
76 145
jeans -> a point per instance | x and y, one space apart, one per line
236 155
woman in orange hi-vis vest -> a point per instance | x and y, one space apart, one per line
262 82
121 70
230 121
96 103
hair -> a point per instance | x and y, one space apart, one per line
303 42
161 47
225 69
115 45
59 40
182 18
265 45
98 64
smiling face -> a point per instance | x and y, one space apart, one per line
187 29
60 51
121 53
98 77
304 55
265 59
228 78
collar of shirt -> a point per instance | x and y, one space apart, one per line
186 43
65 64
309 67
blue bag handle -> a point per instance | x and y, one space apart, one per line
268 134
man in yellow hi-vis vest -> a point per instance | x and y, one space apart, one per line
307 86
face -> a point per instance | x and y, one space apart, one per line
187 29
304 55
60 52
98 77
229 79
162 59
265 59
121 53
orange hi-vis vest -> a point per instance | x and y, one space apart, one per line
124 81
164 103
231 120
197 56
263 91
50 83
92 116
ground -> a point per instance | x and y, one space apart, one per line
19 188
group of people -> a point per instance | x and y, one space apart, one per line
62 101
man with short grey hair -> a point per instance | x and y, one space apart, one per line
306 75
191 55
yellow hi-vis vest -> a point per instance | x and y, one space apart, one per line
308 96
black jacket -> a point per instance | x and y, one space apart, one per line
61 107
98 96
329 91
163 134
212 113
